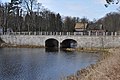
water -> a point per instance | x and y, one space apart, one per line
37 64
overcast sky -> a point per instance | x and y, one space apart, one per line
78 8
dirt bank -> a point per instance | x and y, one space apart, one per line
106 69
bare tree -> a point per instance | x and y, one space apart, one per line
29 5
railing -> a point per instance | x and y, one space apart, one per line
65 33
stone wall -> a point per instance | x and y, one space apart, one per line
82 41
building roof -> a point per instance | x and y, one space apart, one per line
80 25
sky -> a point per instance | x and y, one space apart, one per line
91 9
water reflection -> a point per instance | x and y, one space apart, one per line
36 64
51 49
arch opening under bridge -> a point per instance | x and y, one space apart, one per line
69 43
51 43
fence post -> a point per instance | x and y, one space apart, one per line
29 33
60 33
106 33
18 33
74 33
96 33
103 33
115 33
34 33
67 33
111 33
89 33
81 33
45 33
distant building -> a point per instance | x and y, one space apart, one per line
80 26
96 28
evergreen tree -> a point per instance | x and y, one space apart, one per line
58 23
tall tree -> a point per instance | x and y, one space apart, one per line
58 22
69 24
1 14
51 22
84 20
29 5
110 22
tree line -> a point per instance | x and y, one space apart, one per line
110 22
28 15
31 16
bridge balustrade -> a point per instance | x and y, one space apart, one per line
65 33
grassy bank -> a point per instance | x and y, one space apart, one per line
88 50
106 69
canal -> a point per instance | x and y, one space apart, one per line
39 64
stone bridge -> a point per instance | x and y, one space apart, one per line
67 40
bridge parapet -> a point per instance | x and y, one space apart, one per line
65 33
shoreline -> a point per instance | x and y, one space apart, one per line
108 68
4 45
89 50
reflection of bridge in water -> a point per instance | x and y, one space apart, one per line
63 39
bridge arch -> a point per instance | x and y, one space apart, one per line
51 43
68 43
